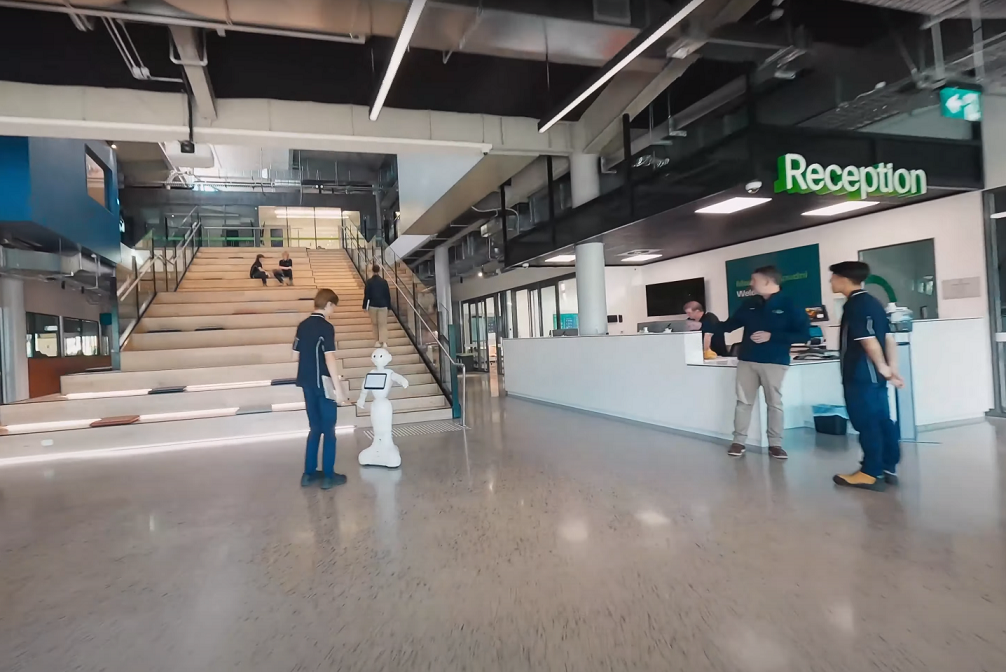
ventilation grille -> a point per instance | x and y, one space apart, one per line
613 11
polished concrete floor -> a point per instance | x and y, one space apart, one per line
541 539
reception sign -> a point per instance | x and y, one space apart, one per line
801 275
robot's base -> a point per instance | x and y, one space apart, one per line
381 457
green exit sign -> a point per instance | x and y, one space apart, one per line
961 103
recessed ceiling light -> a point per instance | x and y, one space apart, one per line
561 259
840 208
642 257
732 205
114 146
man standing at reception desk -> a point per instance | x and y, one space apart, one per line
772 323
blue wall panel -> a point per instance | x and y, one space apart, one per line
59 198
15 183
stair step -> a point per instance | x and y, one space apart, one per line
184 340
255 295
261 321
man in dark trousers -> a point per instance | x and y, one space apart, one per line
772 323
314 350
869 362
376 301
713 342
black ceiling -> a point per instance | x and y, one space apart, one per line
45 48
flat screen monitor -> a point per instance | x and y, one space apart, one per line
669 298
375 381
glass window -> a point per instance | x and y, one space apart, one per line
549 313
523 315
43 335
97 180
904 274
535 313
568 308
80 338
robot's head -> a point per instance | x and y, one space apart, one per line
381 357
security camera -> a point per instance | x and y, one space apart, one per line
753 186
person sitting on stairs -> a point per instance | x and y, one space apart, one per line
256 272
285 270
376 301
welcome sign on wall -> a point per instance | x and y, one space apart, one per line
801 275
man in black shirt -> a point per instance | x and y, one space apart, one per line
285 270
314 350
376 301
712 336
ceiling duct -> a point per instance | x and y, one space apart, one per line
81 270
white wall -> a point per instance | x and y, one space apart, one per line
475 287
955 223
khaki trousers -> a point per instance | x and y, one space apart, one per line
379 318
769 377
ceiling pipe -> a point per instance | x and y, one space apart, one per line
160 20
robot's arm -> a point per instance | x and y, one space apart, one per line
363 399
401 380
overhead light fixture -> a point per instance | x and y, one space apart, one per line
309 213
732 205
480 274
561 259
401 46
840 208
642 257
998 215
622 61
114 146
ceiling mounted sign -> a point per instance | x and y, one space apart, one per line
796 176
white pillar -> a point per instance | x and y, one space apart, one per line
442 275
590 297
584 177
13 331
585 180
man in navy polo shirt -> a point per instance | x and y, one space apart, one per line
314 350
772 323
869 362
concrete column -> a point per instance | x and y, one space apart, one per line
585 177
442 275
590 294
13 336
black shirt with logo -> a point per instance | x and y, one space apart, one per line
315 337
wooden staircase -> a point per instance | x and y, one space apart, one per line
220 346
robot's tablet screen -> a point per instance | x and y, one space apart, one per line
375 381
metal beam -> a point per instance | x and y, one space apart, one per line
191 55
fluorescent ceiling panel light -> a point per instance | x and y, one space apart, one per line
732 205
840 208
671 22
642 257
404 37
999 215
561 259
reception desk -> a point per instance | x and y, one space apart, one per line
661 379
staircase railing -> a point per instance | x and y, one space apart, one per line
153 269
410 304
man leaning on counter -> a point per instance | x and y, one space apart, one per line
772 323
713 342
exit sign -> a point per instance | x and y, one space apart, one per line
961 103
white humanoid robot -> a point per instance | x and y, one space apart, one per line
382 452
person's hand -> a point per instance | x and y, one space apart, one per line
892 376
709 354
761 336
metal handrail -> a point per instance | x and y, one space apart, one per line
126 289
404 293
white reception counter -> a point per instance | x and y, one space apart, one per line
661 379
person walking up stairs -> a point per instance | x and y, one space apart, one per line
376 301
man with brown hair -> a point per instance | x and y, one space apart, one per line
376 301
314 350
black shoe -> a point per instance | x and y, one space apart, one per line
329 482
308 479
890 477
